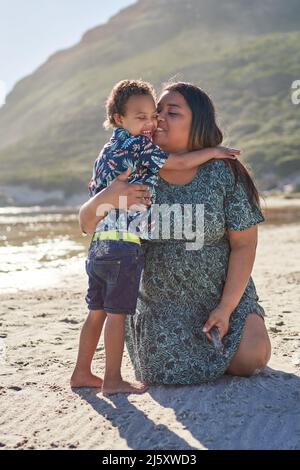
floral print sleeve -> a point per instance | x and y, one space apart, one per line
93 187
240 212
152 157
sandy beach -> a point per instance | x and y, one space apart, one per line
38 345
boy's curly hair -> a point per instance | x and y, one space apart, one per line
120 94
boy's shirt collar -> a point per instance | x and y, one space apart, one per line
121 134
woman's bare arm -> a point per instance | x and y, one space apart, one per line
241 259
187 161
92 211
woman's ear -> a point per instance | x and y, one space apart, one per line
118 119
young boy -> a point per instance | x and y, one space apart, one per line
115 260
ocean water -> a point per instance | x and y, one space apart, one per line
38 246
41 245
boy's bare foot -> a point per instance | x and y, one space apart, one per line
79 379
110 388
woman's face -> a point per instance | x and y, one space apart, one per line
174 123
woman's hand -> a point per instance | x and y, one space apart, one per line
135 194
219 318
120 194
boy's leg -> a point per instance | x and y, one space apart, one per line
114 335
89 338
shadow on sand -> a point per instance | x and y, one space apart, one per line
260 412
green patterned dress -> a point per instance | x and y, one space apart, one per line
181 287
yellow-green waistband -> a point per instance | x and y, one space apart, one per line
118 236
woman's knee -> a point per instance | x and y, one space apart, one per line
247 365
254 351
268 350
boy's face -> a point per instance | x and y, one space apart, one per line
140 116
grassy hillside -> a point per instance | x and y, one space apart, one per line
244 53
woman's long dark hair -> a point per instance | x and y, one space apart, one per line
205 132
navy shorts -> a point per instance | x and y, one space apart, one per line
114 269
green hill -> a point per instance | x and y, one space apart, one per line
245 53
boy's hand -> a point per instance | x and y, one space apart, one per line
225 152
219 318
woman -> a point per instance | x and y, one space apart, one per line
185 293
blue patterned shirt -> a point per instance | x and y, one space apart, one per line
125 151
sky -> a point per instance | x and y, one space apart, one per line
32 30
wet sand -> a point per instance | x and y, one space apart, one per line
38 346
